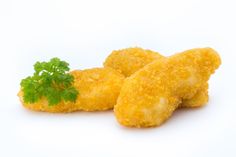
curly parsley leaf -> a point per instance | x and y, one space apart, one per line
50 80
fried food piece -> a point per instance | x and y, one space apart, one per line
128 61
200 99
42 105
98 90
149 97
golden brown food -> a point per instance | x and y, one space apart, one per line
42 105
98 90
199 99
128 61
149 97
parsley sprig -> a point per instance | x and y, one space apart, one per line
50 80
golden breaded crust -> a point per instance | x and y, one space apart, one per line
127 61
149 97
42 105
98 90
198 100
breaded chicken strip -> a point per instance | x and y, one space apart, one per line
199 99
128 61
42 105
149 97
98 90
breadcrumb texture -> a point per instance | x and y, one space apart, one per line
129 60
149 96
98 90
42 105
200 99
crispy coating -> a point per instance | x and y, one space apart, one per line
200 99
149 97
98 90
128 61
42 105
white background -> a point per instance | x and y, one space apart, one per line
84 33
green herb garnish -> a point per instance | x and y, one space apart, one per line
50 80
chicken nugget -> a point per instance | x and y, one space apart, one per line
149 96
42 105
198 100
98 90
129 60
